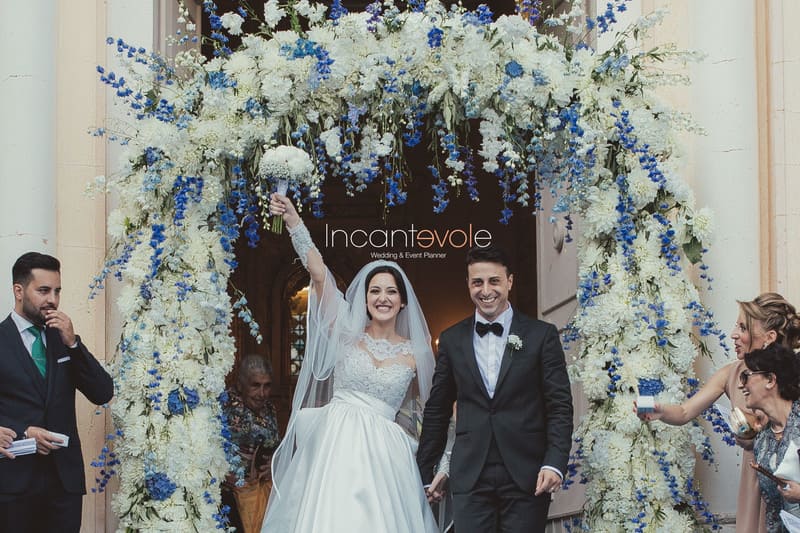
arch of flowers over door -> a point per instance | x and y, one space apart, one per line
352 91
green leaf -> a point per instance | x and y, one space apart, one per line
693 250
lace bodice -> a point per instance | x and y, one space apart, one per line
372 367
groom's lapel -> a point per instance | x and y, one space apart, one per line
468 348
508 353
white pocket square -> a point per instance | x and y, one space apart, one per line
64 359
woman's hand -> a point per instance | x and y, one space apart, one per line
436 491
281 205
790 491
656 414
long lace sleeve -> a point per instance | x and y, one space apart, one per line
301 240
444 462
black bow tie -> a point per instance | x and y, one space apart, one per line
482 328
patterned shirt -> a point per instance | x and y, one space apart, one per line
770 452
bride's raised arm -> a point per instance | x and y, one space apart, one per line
301 240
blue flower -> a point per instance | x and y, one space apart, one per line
337 10
650 387
514 69
175 402
159 486
220 80
435 37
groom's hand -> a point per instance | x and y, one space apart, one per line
436 490
548 481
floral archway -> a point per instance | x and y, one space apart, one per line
352 91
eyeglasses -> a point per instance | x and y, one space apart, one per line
745 375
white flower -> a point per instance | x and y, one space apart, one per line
332 140
514 342
232 22
702 224
273 13
286 162
314 13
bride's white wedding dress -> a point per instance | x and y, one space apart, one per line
354 469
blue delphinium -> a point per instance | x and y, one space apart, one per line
159 486
435 36
514 69
337 10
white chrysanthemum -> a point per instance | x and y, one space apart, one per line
642 189
273 13
702 224
232 22
601 214
314 13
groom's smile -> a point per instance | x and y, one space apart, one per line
489 285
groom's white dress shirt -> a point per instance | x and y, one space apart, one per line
489 349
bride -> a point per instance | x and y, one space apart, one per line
347 461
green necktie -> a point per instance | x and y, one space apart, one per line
38 351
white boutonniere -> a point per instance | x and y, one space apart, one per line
514 342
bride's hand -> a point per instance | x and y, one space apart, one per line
437 488
281 205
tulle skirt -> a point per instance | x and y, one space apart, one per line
353 471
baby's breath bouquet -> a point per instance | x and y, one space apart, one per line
281 166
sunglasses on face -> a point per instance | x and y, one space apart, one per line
745 375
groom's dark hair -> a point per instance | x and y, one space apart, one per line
489 254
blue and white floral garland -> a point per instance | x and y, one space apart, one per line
353 90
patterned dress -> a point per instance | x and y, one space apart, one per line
250 428
771 453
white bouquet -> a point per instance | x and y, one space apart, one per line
282 165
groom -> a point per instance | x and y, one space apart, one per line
507 373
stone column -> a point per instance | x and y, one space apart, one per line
722 168
27 137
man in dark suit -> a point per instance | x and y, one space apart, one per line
507 373
42 363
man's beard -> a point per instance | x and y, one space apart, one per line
33 314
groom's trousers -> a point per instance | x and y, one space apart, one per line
497 505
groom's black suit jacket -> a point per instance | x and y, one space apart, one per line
530 415
28 399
